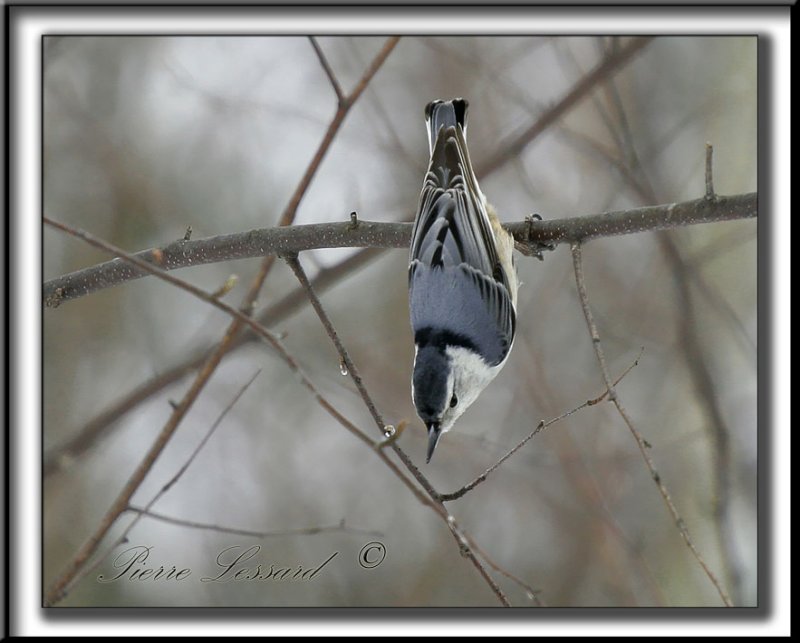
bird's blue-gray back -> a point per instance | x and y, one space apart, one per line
455 279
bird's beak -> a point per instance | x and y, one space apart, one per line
434 432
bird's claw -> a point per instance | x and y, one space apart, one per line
537 248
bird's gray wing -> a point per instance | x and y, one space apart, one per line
452 226
456 283
460 306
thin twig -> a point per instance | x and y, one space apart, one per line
446 497
333 129
709 172
66 454
352 370
60 587
235 531
577 471
603 396
172 481
328 71
694 352
291 240
123 537
293 262
530 592
579 91
634 174
465 546
641 442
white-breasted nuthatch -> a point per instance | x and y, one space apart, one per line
461 278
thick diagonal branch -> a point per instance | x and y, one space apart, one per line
285 240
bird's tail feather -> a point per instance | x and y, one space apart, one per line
439 113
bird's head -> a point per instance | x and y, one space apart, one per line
446 382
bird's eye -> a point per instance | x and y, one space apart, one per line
453 401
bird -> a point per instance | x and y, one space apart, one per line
461 277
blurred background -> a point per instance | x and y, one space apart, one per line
144 136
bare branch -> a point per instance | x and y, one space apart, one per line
328 71
694 351
640 441
304 531
709 172
333 129
582 88
166 487
352 370
446 497
67 578
530 592
369 234
633 172
465 546
64 455
347 364
172 481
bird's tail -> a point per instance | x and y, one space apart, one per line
440 113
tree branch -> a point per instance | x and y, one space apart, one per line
643 445
694 353
285 240
236 531
63 455
582 88
326 66
123 537
455 495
